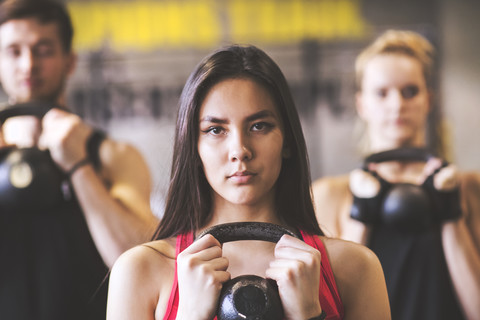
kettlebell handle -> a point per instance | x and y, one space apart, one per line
247 231
34 108
400 154
249 296
405 206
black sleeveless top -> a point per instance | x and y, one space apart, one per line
50 268
418 281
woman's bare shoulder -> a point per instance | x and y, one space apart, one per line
144 261
470 200
358 275
346 256
141 280
328 187
165 247
470 181
155 252
332 200
331 181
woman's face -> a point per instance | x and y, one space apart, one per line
394 101
240 142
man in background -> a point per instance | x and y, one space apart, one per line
55 259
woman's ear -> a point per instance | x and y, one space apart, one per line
359 104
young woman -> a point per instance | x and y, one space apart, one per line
432 271
239 156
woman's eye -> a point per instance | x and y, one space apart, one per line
382 93
261 126
214 130
409 92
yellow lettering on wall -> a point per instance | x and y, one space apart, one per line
277 21
151 24
145 24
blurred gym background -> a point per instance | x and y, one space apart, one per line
135 56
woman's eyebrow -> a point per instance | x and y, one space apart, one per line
260 115
214 120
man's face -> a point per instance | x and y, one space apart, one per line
33 64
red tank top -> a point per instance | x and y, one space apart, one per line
329 297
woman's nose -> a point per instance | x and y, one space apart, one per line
395 100
240 149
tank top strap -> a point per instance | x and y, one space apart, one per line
183 241
329 297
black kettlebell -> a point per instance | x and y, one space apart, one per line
248 296
30 181
405 206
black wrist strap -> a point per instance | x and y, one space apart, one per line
322 316
367 210
446 203
77 166
93 147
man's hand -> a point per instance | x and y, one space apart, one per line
22 131
65 135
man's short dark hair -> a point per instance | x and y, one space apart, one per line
45 11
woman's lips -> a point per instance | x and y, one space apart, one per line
242 177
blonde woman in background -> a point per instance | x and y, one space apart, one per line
431 258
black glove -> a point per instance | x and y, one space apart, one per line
445 203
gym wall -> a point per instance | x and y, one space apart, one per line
135 56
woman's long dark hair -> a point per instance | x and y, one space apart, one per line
189 200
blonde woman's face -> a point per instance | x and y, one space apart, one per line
394 102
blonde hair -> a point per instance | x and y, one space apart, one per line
402 42
411 44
